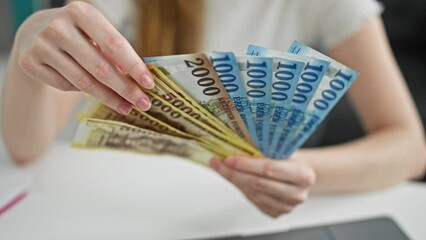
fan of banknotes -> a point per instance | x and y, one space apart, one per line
213 105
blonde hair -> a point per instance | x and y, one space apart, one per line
166 27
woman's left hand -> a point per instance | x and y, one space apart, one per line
275 187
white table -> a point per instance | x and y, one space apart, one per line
82 194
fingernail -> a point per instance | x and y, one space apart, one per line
214 164
230 161
124 108
144 104
147 81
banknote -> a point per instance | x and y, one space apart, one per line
256 75
214 105
172 93
160 73
307 84
285 75
334 84
107 134
196 76
96 110
166 112
226 66
214 121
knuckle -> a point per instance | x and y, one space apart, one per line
253 196
263 210
130 91
276 214
56 29
286 209
307 176
103 70
66 86
248 192
230 175
269 211
267 168
78 8
299 198
135 67
38 48
109 100
84 83
257 183
114 43
27 62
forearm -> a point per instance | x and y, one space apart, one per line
394 148
28 112
382 158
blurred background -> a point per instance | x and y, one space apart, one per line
405 22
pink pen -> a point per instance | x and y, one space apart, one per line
12 203
14 185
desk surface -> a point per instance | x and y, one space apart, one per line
81 194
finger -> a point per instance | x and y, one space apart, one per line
53 78
269 205
42 72
32 63
112 43
82 80
282 171
283 192
90 58
243 181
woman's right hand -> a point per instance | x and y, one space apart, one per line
75 48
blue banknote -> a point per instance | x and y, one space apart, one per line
309 80
335 83
285 75
226 66
256 73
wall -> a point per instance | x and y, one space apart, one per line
6 27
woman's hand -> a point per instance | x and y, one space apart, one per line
75 48
275 187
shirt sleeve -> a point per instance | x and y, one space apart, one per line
335 21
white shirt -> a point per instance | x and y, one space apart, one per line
231 25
